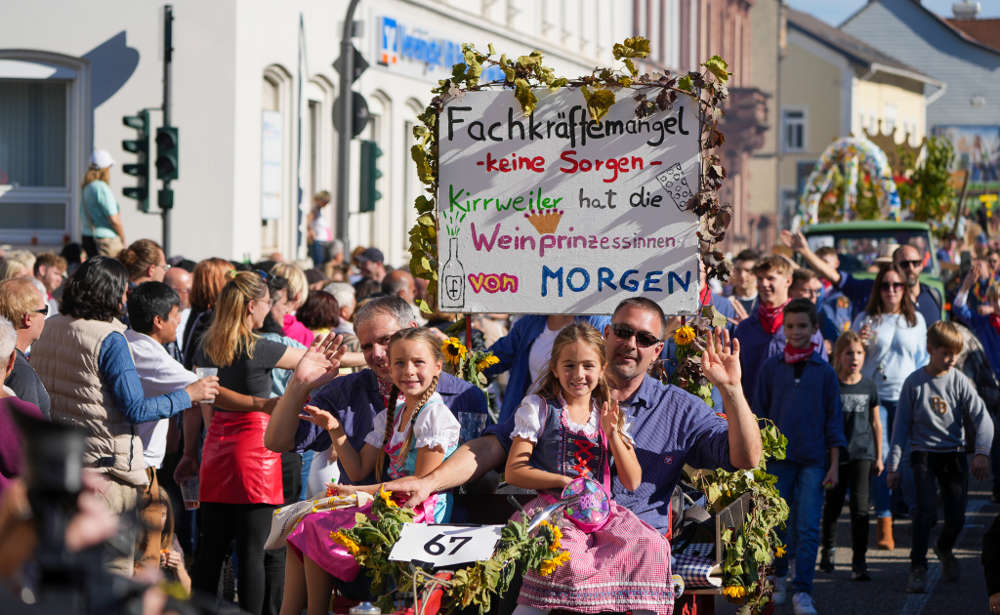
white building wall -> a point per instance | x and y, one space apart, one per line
222 51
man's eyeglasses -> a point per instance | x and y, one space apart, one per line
913 264
43 311
892 286
642 338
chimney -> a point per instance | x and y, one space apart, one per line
965 9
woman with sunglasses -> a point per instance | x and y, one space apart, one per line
240 479
526 350
895 338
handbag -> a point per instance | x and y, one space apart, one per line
286 517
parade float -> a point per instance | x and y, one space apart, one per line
548 194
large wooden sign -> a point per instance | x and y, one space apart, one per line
556 213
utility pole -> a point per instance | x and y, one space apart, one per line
165 196
344 135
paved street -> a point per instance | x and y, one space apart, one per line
836 594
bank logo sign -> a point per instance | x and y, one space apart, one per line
398 42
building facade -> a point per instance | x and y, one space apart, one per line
964 55
253 95
834 85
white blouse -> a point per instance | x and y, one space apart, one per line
532 412
436 427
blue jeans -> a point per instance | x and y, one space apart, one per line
905 495
802 487
879 488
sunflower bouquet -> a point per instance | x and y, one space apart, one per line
372 538
467 364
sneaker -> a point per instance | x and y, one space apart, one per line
802 604
949 565
780 595
917 583
826 560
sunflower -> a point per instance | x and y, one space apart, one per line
684 336
387 498
734 592
454 350
780 551
549 565
343 539
487 361
554 532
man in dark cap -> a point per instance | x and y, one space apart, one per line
372 265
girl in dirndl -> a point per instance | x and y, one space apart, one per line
411 437
570 428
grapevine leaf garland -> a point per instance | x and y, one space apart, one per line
371 540
600 90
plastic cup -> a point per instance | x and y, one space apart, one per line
205 372
189 493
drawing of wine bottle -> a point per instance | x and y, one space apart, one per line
453 278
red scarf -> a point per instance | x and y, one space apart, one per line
995 321
771 319
706 295
794 355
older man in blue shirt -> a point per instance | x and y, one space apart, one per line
672 427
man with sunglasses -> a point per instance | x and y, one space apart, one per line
671 427
906 257
24 305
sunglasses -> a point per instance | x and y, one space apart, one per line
262 274
915 264
43 311
642 338
892 286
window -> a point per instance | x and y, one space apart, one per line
890 114
793 129
45 139
32 133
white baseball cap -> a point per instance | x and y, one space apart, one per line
101 159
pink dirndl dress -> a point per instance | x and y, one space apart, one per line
311 536
623 566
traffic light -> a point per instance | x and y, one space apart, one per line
140 169
166 153
370 153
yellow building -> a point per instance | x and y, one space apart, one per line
833 85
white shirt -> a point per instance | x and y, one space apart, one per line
436 427
160 374
531 415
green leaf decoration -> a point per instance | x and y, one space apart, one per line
598 102
524 96
685 84
718 67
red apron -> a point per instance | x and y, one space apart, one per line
236 467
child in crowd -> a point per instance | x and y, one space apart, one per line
863 431
934 405
572 428
798 390
761 335
412 436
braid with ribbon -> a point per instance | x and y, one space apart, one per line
390 420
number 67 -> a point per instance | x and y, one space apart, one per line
435 547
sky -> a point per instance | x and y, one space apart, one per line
835 12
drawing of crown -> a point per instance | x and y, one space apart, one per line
545 222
